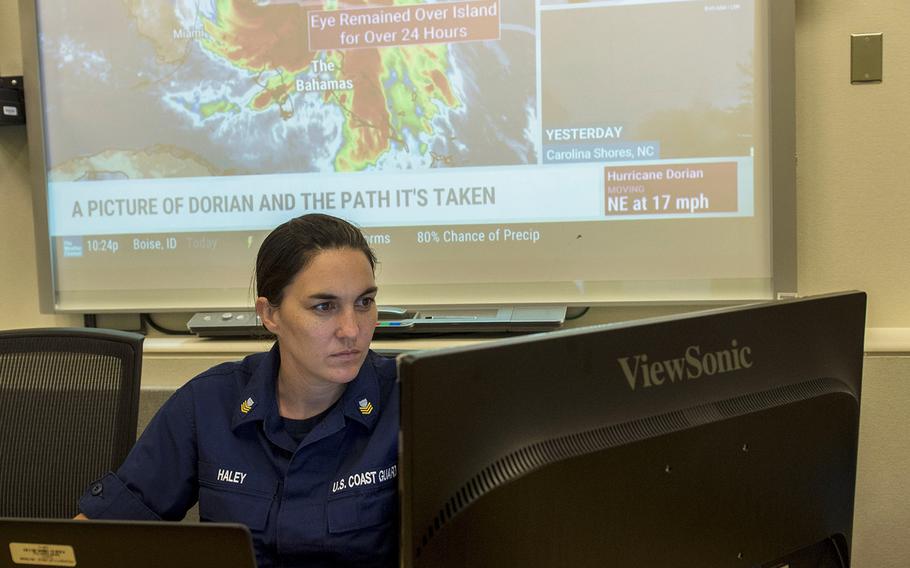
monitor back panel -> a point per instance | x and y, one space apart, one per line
131 544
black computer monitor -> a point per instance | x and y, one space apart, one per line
95 543
721 438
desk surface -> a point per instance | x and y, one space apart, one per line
170 361
887 340
878 340
209 346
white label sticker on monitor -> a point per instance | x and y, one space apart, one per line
10 111
34 554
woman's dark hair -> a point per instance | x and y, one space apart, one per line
291 246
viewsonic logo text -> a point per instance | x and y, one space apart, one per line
639 371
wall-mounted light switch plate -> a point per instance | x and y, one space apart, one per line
865 58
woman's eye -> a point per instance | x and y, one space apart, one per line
366 302
324 307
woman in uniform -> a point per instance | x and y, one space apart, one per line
299 443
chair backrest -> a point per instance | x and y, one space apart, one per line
69 400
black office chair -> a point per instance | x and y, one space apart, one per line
69 400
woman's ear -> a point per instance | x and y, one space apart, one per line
268 314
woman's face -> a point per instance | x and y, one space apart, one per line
326 319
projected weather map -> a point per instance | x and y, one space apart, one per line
248 88
177 130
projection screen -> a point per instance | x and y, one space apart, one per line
493 151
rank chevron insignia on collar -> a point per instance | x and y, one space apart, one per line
247 405
366 407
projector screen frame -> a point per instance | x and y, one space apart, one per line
780 45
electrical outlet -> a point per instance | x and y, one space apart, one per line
866 58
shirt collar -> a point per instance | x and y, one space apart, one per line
257 399
360 401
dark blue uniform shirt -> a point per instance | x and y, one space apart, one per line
329 501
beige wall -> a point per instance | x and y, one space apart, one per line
852 214
10 54
851 142
882 511
18 273
850 177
